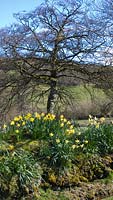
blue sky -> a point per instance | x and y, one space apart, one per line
8 7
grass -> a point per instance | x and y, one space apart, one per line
85 101
109 198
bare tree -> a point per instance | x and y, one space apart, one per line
47 46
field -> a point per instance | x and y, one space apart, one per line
85 100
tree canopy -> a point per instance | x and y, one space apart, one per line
55 42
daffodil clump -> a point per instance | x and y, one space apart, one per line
61 138
96 121
99 134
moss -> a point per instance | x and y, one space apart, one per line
13 186
28 145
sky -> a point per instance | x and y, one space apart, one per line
8 7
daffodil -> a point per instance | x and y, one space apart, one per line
102 119
62 124
4 126
90 117
66 141
61 116
12 123
31 119
70 131
16 119
11 147
73 146
68 123
86 141
71 127
18 125
23 123
65 120
37 115
57 140
20 117
16 131
28 116
77 141
97 125
42 114
51 134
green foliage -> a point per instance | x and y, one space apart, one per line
68 155
59 139
109 198
100 137
19 169
49 194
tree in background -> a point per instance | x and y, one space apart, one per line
51 45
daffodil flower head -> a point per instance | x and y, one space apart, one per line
12 123
16 131
4 126
51 134
31 119
57 140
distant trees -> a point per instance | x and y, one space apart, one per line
53 43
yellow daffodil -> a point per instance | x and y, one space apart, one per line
11 147
52 116
73 146
51 134
86 141
97 125
65 120
102 119
20 117
18 125
16 119
71 127
31 119
23 123
42 114
4 126
12 123
16 131
57 140
61 116
37 115
62 124
28 116
77 141
68 123
66 141
70 131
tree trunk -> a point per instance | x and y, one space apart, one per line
52 98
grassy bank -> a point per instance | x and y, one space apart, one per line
82 102
45 157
